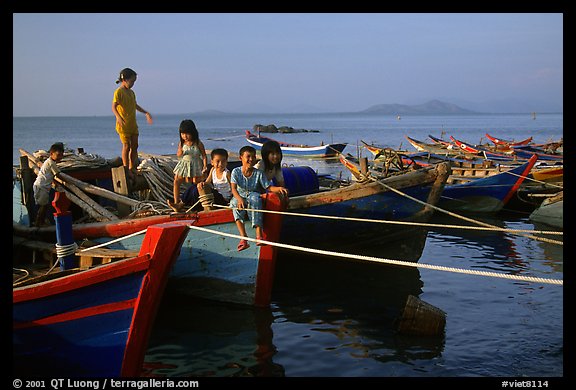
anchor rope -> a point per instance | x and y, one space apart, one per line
409 223
474 221
383 260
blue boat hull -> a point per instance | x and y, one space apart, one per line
338 234
93 322
485 195
371 201
91 345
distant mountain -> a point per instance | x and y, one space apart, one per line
211 113
433 107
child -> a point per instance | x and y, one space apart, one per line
124 107
270 162
247 184
218 181
192 164
43 182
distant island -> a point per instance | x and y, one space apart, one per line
433 107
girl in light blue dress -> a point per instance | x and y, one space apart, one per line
192 161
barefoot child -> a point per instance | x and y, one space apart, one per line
43 182
192 164
218 182
247 184
124 108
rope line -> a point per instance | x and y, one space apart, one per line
423 224
461 216
383 260
113 241
535 180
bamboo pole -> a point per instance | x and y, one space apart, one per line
105 215
79 198
88 187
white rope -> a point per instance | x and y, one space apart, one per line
423 224
535 180
386 261
66 250
113 241
26 274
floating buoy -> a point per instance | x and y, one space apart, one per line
420 318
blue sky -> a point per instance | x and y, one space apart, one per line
66 64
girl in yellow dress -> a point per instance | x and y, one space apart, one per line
124 107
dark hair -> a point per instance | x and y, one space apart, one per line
57 147
187 126
267 148
125 74
219 152
245 149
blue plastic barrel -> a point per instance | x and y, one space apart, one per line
300 180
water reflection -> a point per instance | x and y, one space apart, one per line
350 307
198 338
320 306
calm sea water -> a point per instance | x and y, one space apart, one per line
335 318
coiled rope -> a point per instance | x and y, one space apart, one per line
383 260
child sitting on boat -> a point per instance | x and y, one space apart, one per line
43 183
217 182
247 185
270 162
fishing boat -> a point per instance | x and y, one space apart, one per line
391 198
487 194
477 190
93 322
511 153
208 266
550 211
502 142
299 150
438 149
441 142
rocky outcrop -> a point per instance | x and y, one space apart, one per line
282 129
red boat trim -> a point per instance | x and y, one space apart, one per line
153 285
81 279
502 142
525 173
464 146
78 314
267 257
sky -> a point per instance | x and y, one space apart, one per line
67 64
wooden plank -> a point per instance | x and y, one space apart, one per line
121 186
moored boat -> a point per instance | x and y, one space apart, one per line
550 211
94 322
288 149
502 142
376 200
208 266
478 190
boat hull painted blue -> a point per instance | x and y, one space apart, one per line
90 345
327 234
484 195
